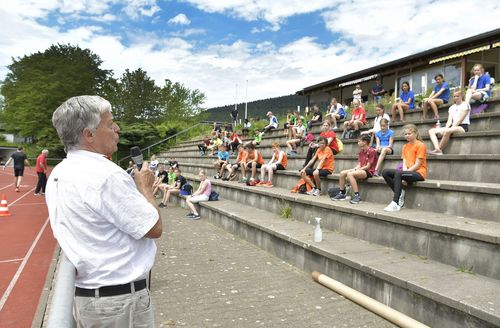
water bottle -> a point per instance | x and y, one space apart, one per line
318 234
438 124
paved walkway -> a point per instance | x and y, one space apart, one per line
206 277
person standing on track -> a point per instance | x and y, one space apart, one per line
104 222
20 160
41 171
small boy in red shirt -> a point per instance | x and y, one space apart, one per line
367 161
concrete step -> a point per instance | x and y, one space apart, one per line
459 198
462 242
406 282
480 122
478 168
479 142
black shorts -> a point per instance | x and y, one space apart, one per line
280 167
465 127
392 151
18 172
368 174
258 165
322 172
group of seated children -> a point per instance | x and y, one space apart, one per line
374 144
229 139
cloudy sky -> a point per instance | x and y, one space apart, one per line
279 46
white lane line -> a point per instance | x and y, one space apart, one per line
28 204
8 186
26 194
13 260
9 289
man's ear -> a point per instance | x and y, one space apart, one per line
87 134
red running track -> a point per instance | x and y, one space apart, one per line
26 250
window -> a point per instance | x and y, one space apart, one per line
453 74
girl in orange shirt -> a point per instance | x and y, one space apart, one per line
277 162
414 167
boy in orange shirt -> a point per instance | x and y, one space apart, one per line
240 163
254 161
414 157
325 167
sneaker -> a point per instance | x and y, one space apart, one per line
392 207
243 180
190 215
316 192
339 196
195 217
401 201
161 205
225 179
334 128
260 183
311 192
38 194
251 183
42 193
356 199
216 176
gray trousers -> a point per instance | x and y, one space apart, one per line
134 310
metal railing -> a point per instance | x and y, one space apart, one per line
61 306
148 148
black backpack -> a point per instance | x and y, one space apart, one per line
214 195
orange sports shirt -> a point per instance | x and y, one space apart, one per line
412 152
327 155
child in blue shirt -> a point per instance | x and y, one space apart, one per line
221 163
439 96
406 102
385 141
479 85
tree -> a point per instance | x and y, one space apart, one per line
179 102
136 97
37 84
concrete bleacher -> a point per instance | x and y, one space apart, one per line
437 260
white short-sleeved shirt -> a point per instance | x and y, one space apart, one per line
99 219
456 110
376 122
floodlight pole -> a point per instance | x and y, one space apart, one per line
246 100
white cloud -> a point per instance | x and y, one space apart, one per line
137 8
367 40
180 19
273 12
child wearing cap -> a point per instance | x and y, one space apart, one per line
273 122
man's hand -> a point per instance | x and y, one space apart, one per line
144 179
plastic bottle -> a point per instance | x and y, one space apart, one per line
438 124
318 234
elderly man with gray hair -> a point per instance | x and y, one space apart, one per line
41 171
103 219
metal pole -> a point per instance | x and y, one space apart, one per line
246 101
61 307
236 98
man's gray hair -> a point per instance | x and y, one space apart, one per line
76 114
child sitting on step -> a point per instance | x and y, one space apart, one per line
278 162
384 142
324 155
414 157
299 136
200 195
240 164
379 111
367 159
254 161
221 162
